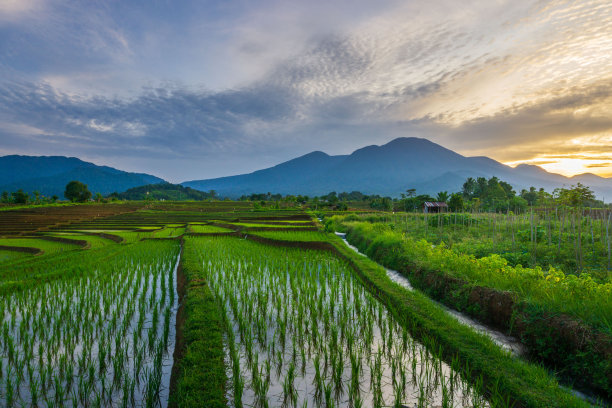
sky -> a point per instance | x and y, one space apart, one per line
200 89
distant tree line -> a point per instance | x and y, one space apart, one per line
75 192
21 197
493 194
480 194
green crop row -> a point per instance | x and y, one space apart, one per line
523 383
541 299
305 318
199 376
304 236
196 228
92 338
551 289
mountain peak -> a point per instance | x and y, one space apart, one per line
390 168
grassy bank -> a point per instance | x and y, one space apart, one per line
505 378
563 320
199 377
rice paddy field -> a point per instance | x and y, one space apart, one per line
217 304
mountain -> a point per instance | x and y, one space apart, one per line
390 169
25 172
282 177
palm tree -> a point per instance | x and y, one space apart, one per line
442 196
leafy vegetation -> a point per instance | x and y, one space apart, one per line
77 192
535 296
309 311
200 373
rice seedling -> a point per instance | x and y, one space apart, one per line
78 340
314 334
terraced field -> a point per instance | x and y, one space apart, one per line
217 304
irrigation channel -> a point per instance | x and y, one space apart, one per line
509 343
301 331
104 339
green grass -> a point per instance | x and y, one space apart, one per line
49 247
580 297
526 384
169 232
200 372
259 225
93 240
129 237
294 235
60 265
476 356
12 256
540 295
94 299
207 228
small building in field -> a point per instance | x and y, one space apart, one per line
435 207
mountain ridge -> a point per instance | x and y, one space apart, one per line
389 169
24 172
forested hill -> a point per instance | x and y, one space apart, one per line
163 191
50 174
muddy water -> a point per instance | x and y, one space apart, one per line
509 343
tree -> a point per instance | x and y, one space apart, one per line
20 197
456 202
77 192
518 204
577 196
98 197
384 204
468 188
531 196
442 196
331 198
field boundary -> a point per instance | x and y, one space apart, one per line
28 250
506 380
574 349
198 375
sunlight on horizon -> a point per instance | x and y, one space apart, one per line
568 166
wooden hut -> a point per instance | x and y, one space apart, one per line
435 207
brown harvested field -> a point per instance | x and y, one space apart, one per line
29 220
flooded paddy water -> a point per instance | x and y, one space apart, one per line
302 331
103 340
509 343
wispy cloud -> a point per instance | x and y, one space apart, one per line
238 87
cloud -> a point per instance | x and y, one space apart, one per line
170 121
598 165
237 86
